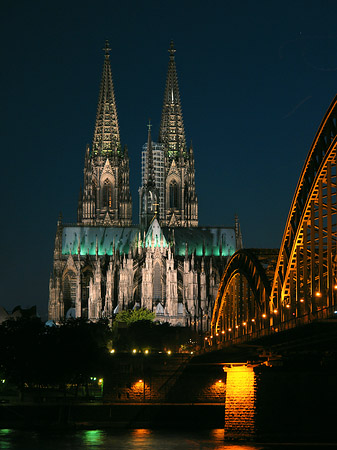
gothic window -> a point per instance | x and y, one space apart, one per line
174 194
85 282
149 202
69 291
186 199
157 289
107 194
94 189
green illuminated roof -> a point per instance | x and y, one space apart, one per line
105 237
211 239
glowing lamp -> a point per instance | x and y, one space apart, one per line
140 381
244 324
222 332
264 316
253 320
236 326
112 351
302 300
217 334
318 294
146 352
287 305
275 311
134 351
169 351
335 286
229 329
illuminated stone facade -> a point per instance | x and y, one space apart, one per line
106 198
167 264
168 165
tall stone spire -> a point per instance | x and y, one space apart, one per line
106 198
172 133
106 135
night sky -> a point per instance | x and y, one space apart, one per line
255 78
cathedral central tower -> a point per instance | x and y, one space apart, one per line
106 198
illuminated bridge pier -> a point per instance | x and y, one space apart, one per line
240 402
258 295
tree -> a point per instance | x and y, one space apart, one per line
130 316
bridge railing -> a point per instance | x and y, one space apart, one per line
219 342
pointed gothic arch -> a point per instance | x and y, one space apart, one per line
157 282
94 189
187 204
69 289
107 195
86 275
174 194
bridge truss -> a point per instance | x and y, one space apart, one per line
304 285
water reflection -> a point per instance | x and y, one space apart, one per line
92 438
139 439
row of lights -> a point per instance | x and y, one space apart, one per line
275 311
146 352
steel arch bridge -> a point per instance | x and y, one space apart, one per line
251 300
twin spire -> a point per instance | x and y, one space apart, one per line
106 136
171 134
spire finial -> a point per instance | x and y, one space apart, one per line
107 49
172 50
149 125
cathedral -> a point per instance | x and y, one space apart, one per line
168 264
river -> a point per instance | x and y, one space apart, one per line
137 439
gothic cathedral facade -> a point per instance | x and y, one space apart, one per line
167 264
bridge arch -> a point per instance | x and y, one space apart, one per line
242 301
304 284
305 276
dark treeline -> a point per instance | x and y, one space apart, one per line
33 355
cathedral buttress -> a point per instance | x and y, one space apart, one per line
106 198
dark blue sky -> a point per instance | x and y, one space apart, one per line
256 78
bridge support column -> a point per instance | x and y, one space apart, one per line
240 402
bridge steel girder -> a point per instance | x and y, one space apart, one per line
242 302
305 282
304 286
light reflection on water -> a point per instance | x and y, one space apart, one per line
137 439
